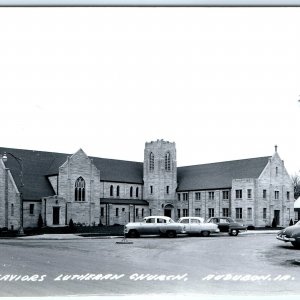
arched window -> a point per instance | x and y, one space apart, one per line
131 191
168 161
80 189
111 191
118 191
137 192
151 162
12 209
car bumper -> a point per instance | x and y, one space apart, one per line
285 239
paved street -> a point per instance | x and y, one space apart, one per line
250 264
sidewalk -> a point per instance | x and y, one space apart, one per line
78 237
62 237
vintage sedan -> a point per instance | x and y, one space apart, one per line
160 225
227 224
290 234
196 225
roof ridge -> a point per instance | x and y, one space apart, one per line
226 161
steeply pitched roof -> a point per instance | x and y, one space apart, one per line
38 164
218 175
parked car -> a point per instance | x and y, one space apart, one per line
161 225
290 234
227 224
196 225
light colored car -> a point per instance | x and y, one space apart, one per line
161 225
196 225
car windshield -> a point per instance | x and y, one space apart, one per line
230 220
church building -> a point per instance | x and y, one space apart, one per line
92 191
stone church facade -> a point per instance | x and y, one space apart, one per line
93 191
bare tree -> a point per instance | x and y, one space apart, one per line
296 182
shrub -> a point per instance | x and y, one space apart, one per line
291 222
71 224
40 222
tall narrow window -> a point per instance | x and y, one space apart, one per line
137 192
118 191
238 194
117 211
111 191
264 194
276 195
211 212
151 162
80 189
31 209
168 161
197 212
151 189
142 212
238 213
249 213
167 189
264 213
225 196
12 210
225 211
131 191
249 193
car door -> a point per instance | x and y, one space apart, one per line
161 225
186 223
148 226
195 225
223 225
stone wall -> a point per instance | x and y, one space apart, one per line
160 178
80 165
9 200
31 219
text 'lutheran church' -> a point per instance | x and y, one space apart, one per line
93 191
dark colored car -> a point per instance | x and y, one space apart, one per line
290 234
227 224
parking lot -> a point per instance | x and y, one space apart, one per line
249 264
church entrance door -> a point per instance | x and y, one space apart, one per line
168 213
56 215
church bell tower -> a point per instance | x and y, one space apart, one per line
160 177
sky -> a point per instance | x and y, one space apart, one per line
222 83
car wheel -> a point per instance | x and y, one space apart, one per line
205 233
296 245
133 234
234 232
171 234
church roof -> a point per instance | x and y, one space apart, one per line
37 165
218 175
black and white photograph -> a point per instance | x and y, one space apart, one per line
150 152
